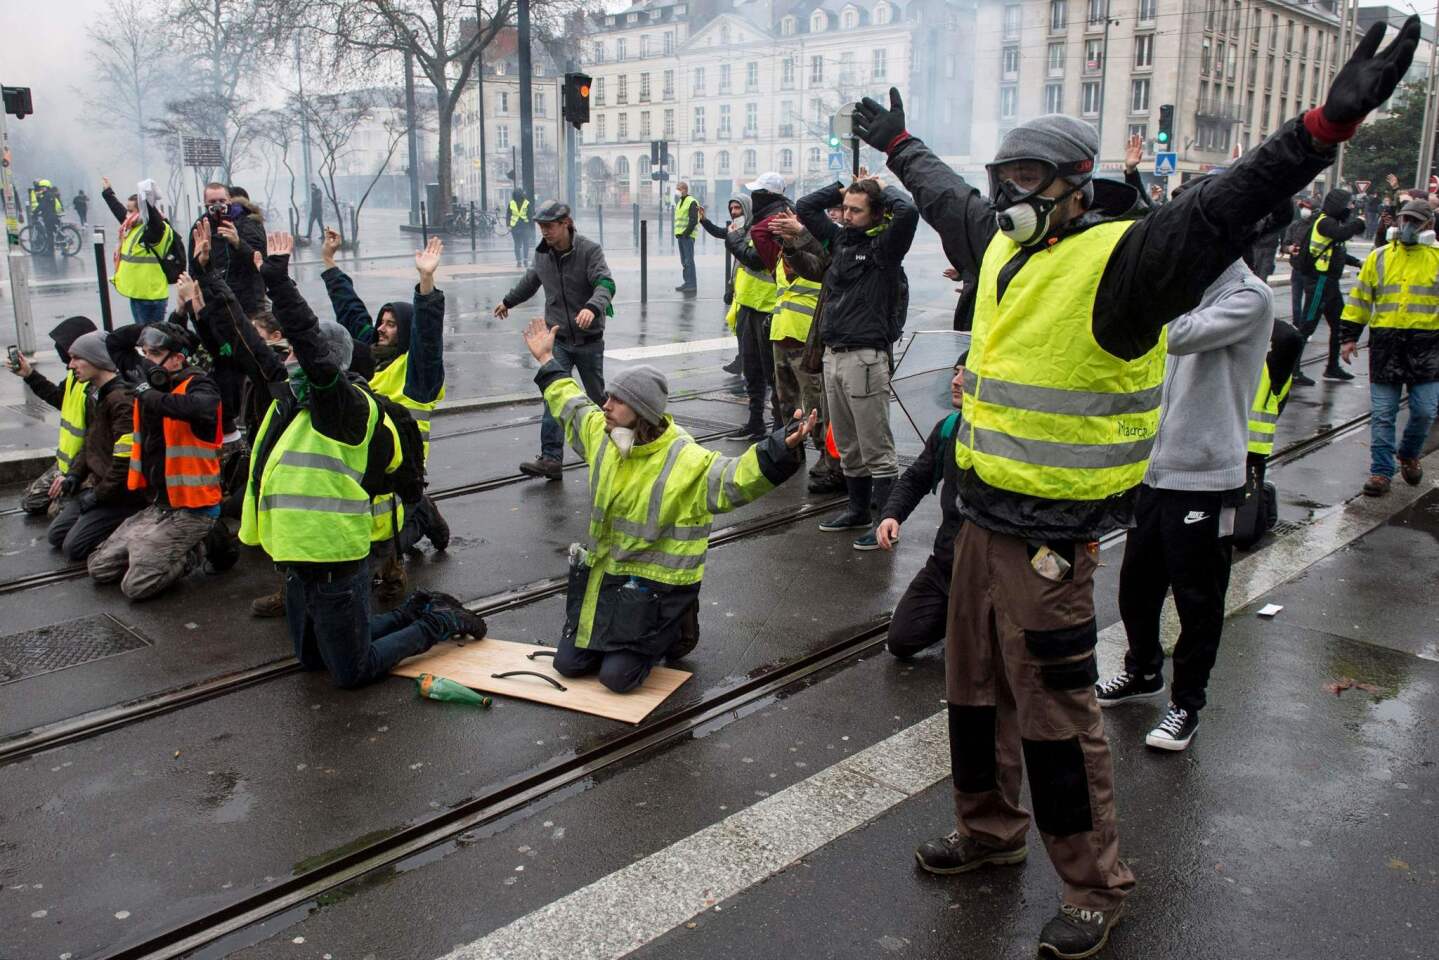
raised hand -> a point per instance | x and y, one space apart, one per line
877 126
427 261
540 338
801 427
280 244
200 240
1133 153
104 183
786 225
188 290
329 246
1370 77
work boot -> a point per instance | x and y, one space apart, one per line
752 430
1376 486
547 467
958 853
856 514
416 605
392 579
826 476
1410 470
1075 933
733 367
439 532
270 605
458 621
222 549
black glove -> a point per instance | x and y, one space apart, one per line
69 485
1369 79
87 500
877 126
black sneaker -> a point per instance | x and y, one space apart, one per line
1174 731
462 622
958 853
1300 380
1338 374
1128 686
547 467
754 430
416 605
1075 932
733 367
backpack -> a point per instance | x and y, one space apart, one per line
946 430
408 481
172 261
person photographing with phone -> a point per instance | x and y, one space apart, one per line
44 492
240 225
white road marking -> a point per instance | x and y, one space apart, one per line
670 349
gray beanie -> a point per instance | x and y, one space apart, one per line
91 348
337 339
1056 138
645 389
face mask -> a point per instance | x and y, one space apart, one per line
236 211
624 440
155 375
1305 213
299 382
1027 222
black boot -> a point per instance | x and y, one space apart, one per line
870 539
856 514
753 430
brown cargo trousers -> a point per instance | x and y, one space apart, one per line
1020 673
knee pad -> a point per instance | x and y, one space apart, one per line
971 748
1058 786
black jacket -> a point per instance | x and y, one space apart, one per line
1337 231
866 294
338 403
112 415
937 458
1397 355
237 264
1157 272
154 220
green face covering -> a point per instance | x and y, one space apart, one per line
299 381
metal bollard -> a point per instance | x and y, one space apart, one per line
424 226
644 262
725 284
600 220
635 211
472 226
100 275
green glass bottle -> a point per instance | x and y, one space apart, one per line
441 688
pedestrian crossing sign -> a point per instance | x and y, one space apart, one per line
1165 164
836 160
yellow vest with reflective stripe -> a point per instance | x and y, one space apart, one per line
309 505
139 275
519 212
794 311
390 382
1321 249
1047 411
681 214
1264 414
650 511
754 288
73 413
1397 289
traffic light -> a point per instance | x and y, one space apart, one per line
833 137
17 102
659 152
1165 137
577 98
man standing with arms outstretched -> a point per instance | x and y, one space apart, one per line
1061 407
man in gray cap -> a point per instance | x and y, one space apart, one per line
578 289
634 586
1061 407
97 500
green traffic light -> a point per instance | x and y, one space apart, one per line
834 141
1163 137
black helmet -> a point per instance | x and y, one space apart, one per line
167 336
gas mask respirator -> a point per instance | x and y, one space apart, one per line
1409 233
1016 189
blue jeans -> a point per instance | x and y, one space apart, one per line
589 362
148 311
687 260
1384 404
331 627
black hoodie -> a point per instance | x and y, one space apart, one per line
66 332
1337 226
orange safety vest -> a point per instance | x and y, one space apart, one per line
192 465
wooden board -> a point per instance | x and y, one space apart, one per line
474 663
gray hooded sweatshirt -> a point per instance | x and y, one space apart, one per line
1215 354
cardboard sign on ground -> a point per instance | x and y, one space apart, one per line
474 665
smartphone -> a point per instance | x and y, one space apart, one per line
13 354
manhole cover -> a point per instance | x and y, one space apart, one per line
61 645
1285 527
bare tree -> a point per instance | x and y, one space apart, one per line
445 38
132 71
396 122
333 118
276 134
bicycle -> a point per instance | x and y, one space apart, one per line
40 237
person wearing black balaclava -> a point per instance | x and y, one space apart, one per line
1061 409
1323 255
407 339
43 493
